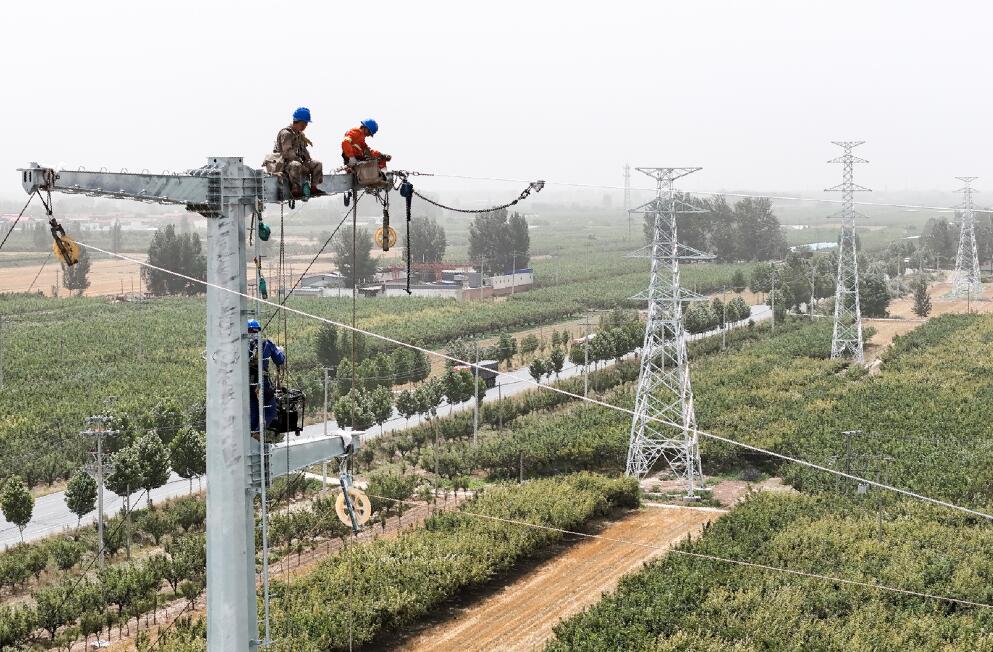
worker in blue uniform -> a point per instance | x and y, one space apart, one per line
269 352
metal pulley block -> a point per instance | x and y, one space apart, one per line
389 240
64 247
356 505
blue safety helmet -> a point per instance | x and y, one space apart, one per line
254 326
371 125
303 113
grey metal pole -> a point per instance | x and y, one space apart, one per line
324 465
475 396
100 555
232 611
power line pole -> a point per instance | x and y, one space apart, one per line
664 423
847 336
96 428
967 278
475 395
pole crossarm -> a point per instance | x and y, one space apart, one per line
292 456
191 188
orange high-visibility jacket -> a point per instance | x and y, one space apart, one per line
354 145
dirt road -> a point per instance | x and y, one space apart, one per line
521 615
903 320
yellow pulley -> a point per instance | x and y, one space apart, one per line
391 238
66 249
360 505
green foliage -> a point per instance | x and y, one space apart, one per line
66 553
77 277
874 296
188 453
81 494
537 369
153 463
500 241
362 267
395 582
17 503
427 240
922 299
179 253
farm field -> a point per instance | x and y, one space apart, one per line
521 614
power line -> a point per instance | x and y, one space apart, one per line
712 193
617 408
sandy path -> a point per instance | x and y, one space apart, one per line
521 615
903 320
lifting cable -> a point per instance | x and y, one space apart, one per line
313 260
19 216
534 186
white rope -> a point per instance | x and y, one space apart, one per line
580 397
723 560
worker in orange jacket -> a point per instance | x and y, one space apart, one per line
354 148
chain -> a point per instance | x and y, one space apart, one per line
534 186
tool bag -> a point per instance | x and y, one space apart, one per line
290 404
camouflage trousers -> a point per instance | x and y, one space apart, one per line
298 171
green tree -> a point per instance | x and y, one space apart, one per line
537 369
326 345
81 495
56 606
874 296
499 241
427 241
16 625
116 239
77 277
556 360
922 299
125 479
738 281
407 404
156 523
178 253
17 503
420 366
381 405
153 463
364 266
506 348
66 554
528 345
188 454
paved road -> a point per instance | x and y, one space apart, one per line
51 515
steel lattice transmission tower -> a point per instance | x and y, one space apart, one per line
664 424
847 337
967 279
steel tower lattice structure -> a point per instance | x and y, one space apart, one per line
664 424
967 279
627 195
847 337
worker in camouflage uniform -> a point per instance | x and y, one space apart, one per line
291 157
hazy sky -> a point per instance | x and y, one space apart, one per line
751 91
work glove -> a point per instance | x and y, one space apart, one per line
387 157
352 160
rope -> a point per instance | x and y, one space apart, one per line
19 216
309 265
724 560
40 270
558 390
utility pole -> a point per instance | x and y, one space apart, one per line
226 192
586 358
324 465
664 423
627 195
847 336
967 276
475 395
96 428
